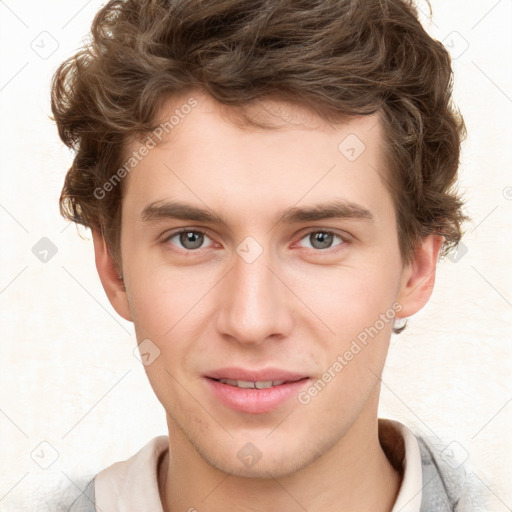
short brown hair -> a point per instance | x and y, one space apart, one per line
339 57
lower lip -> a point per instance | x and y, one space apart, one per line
255 401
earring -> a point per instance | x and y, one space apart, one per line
399 324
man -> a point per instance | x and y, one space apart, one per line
269 187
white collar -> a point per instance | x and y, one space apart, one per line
132 485
407 455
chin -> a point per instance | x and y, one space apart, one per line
261 459
276 467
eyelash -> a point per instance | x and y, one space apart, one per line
328 250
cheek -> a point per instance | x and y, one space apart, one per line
160 295
168 307
165 308
347 299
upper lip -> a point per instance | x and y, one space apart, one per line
263 375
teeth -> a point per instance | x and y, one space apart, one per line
263 385
246 384
228 381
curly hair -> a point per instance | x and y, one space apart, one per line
337 57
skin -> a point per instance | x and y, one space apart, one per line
295 307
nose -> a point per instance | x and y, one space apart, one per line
255 304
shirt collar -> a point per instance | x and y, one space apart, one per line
402 450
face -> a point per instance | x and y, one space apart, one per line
262 255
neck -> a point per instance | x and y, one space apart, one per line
354 474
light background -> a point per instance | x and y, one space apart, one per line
69 377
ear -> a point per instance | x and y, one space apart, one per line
112 283
418 276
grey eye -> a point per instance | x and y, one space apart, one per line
321 240
189 240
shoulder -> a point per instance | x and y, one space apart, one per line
435 474
124 482
448 483
86 501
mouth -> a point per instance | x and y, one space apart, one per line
254 392
262 384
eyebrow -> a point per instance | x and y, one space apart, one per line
161 210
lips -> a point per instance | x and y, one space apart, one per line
254 391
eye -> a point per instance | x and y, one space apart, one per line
321 240
188 239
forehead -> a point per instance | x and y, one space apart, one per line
210 158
